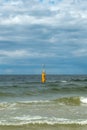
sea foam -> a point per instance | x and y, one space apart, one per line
25 120
83 100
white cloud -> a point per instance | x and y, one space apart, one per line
80 52
16 53
32 12
59 19
24 54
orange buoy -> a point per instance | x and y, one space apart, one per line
43 76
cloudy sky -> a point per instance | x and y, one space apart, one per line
50 32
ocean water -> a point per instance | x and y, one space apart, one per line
59 104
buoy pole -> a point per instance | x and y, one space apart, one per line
43 76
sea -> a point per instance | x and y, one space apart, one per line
28 104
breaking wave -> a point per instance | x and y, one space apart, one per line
83 100
25 120
64 100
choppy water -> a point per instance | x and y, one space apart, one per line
27 103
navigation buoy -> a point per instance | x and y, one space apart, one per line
43 76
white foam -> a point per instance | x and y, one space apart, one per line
63 81
43 120
6 105
35 101
28 118
46 120
83 100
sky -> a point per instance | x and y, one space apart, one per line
36 32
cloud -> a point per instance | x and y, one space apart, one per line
33 12
80 52
16 53
70 18
43 31
23 54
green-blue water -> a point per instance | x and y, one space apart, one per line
60 103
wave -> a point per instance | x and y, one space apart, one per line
61 101
25 120
22 90
6 94
69 100
6 105
79 79
72 100
83 100
14 105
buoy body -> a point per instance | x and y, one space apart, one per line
43 77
